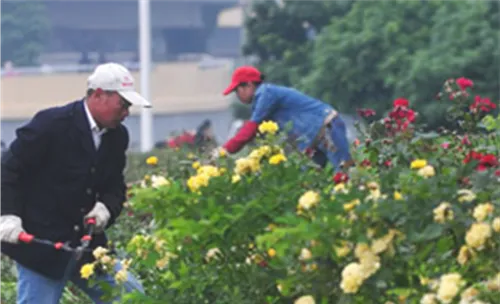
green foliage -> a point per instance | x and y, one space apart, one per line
368 52
277 36
266 227
25 29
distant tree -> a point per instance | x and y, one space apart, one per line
281 37
25 29
388 49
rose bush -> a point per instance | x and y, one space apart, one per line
416 221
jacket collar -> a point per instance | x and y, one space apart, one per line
84 125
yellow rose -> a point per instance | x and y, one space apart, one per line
443 213
222 152
196 165
465 195
482 211
87 271
305 300
427 171
271 252
126 263
477 235
197 181
428 298
212 254
245 165
268 127
236 178
464 255
343 250
161 263
352 204
496 224
152 161
370 263
469 294
340 188
99 252
308 200
158 181
121 276
276 159
352 278
449 287
398 196
418 164
493 284
209 170
305 254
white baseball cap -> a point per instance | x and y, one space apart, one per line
115 77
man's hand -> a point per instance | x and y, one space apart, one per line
10 228
101 215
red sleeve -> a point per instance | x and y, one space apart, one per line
244 135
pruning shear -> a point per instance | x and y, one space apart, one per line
77 252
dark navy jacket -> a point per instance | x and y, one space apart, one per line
52 176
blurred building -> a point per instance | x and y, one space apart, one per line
110 26
195 44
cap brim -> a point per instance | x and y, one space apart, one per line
135 98
230 88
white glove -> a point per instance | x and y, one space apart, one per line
10 228
101 215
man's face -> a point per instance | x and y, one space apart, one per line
245 92
112 109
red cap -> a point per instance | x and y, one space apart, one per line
241 75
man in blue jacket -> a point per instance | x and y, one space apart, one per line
66 165
316 127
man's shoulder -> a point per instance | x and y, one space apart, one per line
57 114
277 89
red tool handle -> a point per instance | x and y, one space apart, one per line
90 221
26 237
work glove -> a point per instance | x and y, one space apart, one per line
101 215
10 228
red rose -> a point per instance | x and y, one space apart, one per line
366 112
309 152
340 177
464 83
466 141
487 161
482 104
465 181
473 155
366 163
401 102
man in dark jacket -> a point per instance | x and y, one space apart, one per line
66 165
